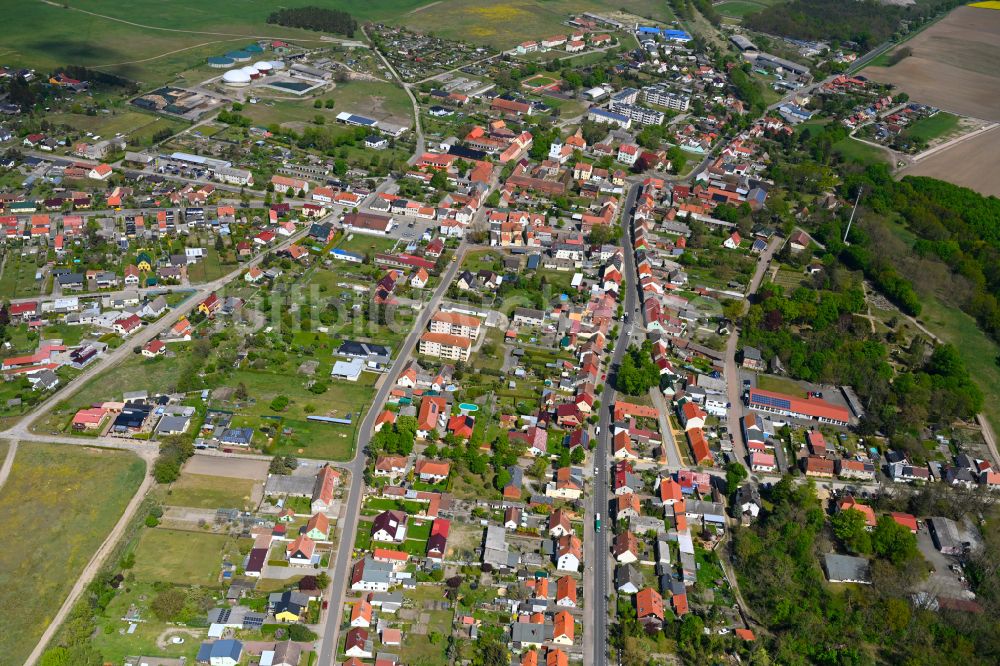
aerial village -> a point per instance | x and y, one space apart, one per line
471 380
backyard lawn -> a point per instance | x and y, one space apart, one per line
307 438
210 492
61 502
182 558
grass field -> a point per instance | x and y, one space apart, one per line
978 351
739 8
938 125
779 385
209 492
952 325
183 558
60 502
114 642
18 277
138 127
361 243
309 439
853 150
379 100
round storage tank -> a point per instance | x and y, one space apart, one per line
236 78
253 48
220 62
277 65
263 67
238 56
251 71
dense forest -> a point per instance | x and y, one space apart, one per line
778 562
867 23
315 18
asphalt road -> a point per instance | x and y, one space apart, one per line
597 579
340 568
734 387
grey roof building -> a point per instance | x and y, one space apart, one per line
847 569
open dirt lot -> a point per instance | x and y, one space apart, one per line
969 163
955 64
234 468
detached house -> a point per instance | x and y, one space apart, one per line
389 526
569 553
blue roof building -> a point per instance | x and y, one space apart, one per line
221 653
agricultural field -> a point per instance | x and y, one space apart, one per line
506 24
62 501
139 41
181 558
955 64
967 163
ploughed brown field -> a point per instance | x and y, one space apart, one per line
955 65
971 163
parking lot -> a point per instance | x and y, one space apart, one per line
943 581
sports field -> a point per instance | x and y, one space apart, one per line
60 502
740 8
955 65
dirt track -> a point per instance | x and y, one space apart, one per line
971 163
955 65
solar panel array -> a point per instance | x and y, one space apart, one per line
771 401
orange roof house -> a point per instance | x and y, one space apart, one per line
649 606
431 410
564 628
433 471
851 504
566 591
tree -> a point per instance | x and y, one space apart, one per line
323 580
892 541
735 474
168 604
300 632
851 528
539 469
283 465
490 653
439 181
279 403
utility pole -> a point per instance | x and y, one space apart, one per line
851 221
